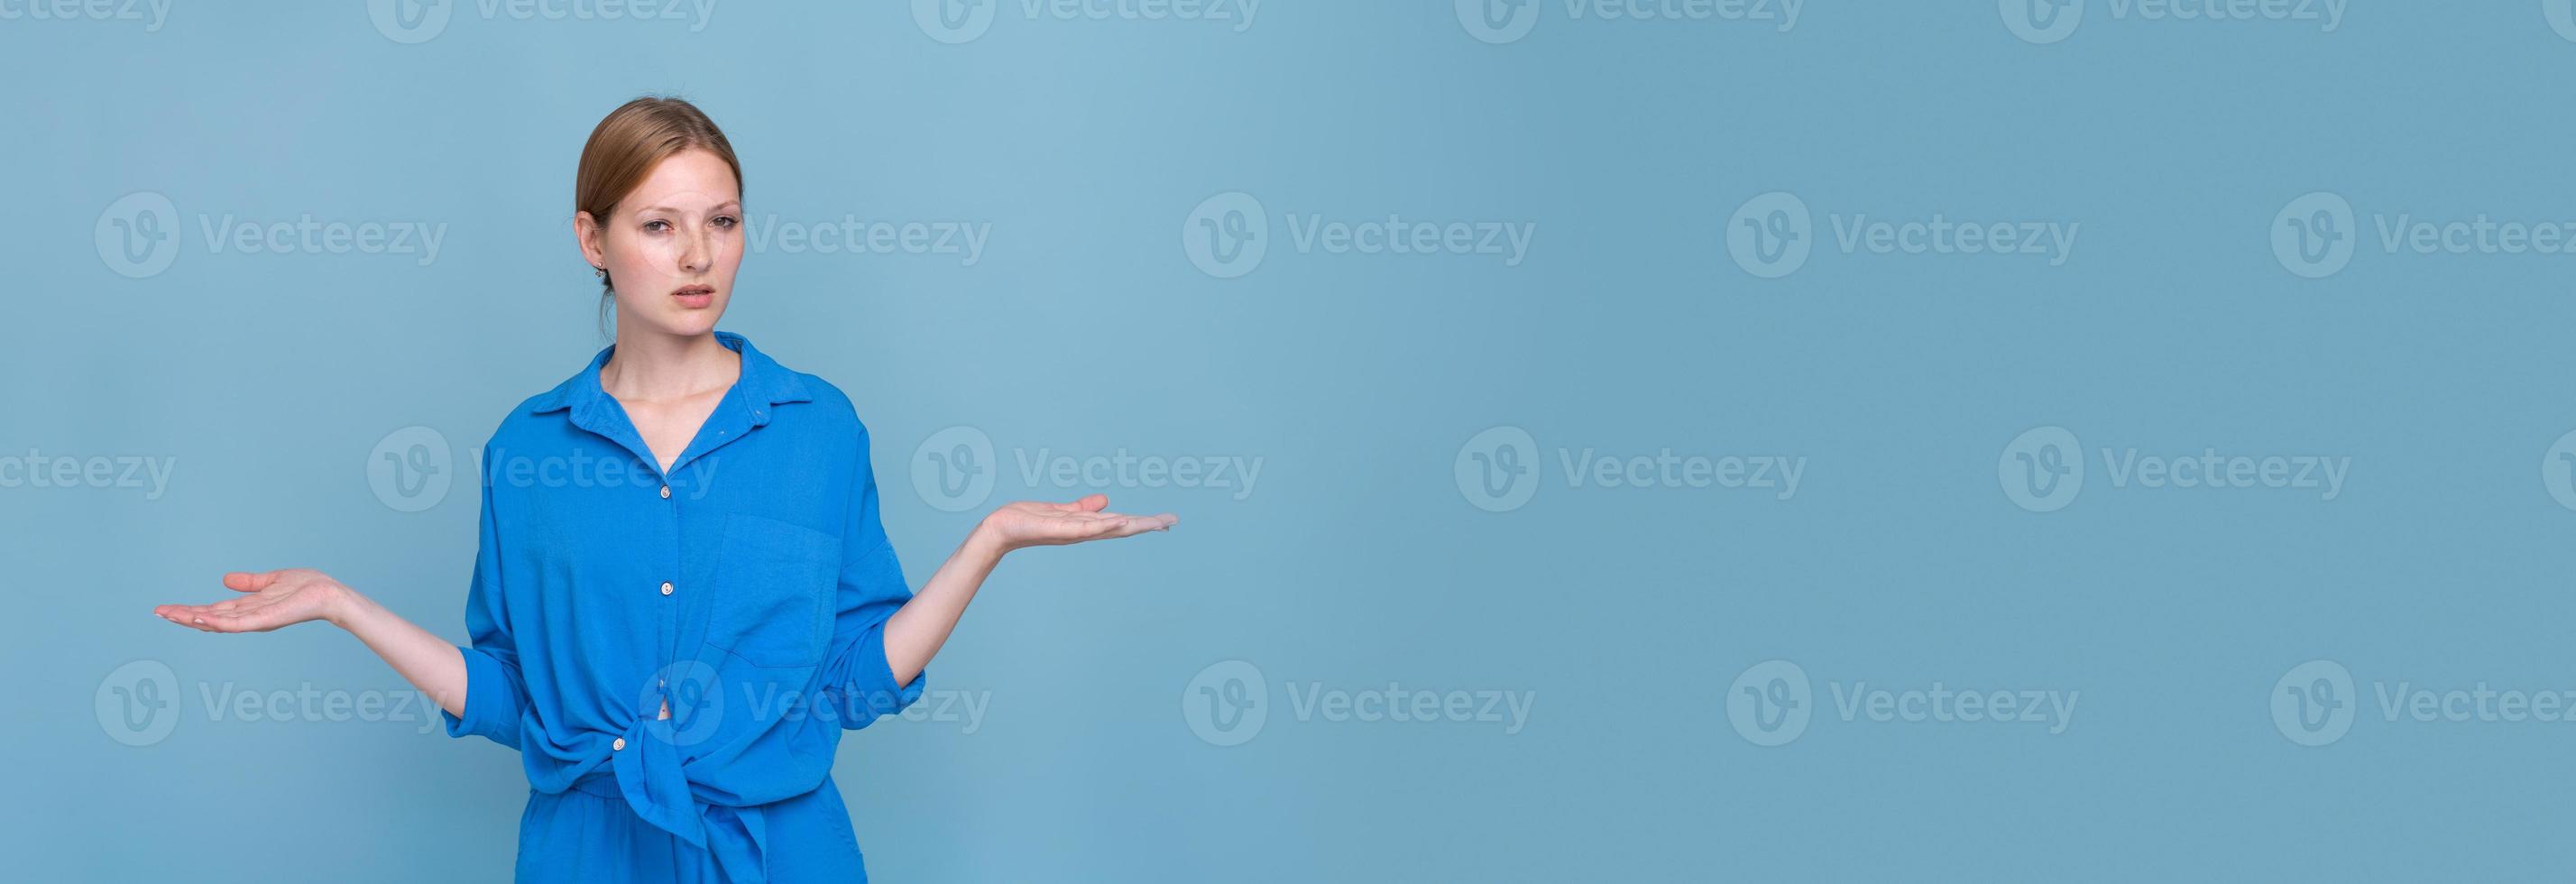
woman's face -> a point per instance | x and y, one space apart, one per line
671 247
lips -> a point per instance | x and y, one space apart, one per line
695 297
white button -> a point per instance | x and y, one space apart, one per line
618 745
666 587
666 492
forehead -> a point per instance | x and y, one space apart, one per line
689 179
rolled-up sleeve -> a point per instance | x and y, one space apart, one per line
495 694
856 679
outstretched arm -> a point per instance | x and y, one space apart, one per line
915 632
287 597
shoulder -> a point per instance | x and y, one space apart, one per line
826 409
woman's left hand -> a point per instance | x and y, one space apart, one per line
1032 523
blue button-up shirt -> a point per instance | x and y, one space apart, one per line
747 587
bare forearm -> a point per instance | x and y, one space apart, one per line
430 663
915 632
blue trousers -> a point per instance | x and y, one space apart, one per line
582 836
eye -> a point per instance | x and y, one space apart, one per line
727 222
657 225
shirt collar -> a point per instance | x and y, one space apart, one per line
763 382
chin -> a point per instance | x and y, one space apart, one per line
685 323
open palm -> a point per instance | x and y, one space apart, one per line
273 599
1033 523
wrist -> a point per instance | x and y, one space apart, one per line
346 608
985 542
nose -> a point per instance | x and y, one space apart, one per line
697 251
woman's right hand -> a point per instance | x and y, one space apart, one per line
275 598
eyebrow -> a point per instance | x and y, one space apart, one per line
733 204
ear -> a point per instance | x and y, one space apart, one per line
587 231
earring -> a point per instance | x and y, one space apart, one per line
601 272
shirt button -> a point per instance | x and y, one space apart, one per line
618 745
666 587
666 492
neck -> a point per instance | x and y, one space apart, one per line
650 366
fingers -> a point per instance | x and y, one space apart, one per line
1104 526
184 615
204 618
249 581
1090 503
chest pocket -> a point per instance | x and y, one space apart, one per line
774 586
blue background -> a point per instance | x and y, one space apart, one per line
266 381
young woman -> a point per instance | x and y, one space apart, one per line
675 644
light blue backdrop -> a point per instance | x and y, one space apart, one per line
1179 216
